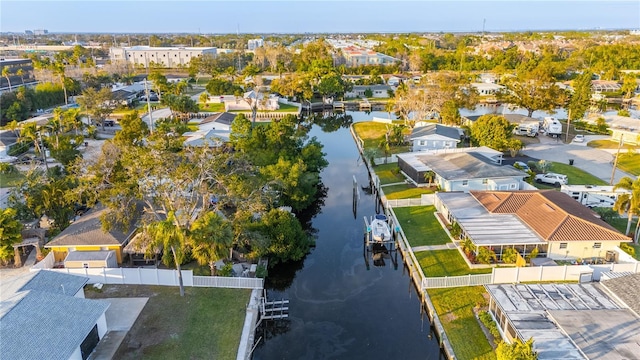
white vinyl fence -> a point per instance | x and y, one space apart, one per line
143 276
580 273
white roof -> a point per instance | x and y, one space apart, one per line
485 228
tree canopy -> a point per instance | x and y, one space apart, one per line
493 131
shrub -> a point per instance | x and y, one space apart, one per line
18 149
456 231
486 255
509 256
533 165
261 271
628 249
487 320
227 270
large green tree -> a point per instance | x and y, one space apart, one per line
493 131
210 239
533 90
98 104
169 235
580 98
10 233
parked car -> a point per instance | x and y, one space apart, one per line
578 138
521 165
552 179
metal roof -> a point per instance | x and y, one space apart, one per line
484 228
559 318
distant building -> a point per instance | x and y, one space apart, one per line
40 32
14 65
28 32
354 56
255 43
170 57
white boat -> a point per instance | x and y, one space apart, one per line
380 229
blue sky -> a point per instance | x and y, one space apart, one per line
264 16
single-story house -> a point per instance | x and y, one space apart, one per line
552 221
435 136
44 315
210 138
86 235
566 321
395 80
463 169
627 127
378 91
219 121
486 89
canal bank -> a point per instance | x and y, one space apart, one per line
339 309
412 264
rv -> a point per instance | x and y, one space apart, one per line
552 127
530 130
592 195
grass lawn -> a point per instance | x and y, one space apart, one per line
420 225
629 162
204 324
637 247
286 108
373 132
405 191
212 107
445 263
11 179
609 144
454 307
387 175
575 175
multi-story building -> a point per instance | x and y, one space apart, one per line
254 44
355 56
170 57
17 78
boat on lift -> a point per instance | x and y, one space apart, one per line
380 231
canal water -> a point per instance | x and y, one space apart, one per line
339 308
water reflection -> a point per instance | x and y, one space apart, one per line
338 309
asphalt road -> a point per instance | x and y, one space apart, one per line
597 162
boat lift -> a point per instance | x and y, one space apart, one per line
381 248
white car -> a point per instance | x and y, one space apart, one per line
552 179
578 138
521 165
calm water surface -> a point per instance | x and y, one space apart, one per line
339 309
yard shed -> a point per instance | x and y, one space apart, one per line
91 259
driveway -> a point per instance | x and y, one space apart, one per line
597 162
121 315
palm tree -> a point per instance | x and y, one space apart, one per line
204 97
168 234
628 202
5 73
20 73
29 132
210 239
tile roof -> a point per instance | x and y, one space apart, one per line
553 215
88 231
39 319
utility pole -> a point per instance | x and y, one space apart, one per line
146 89
566 139
615 161
484 21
